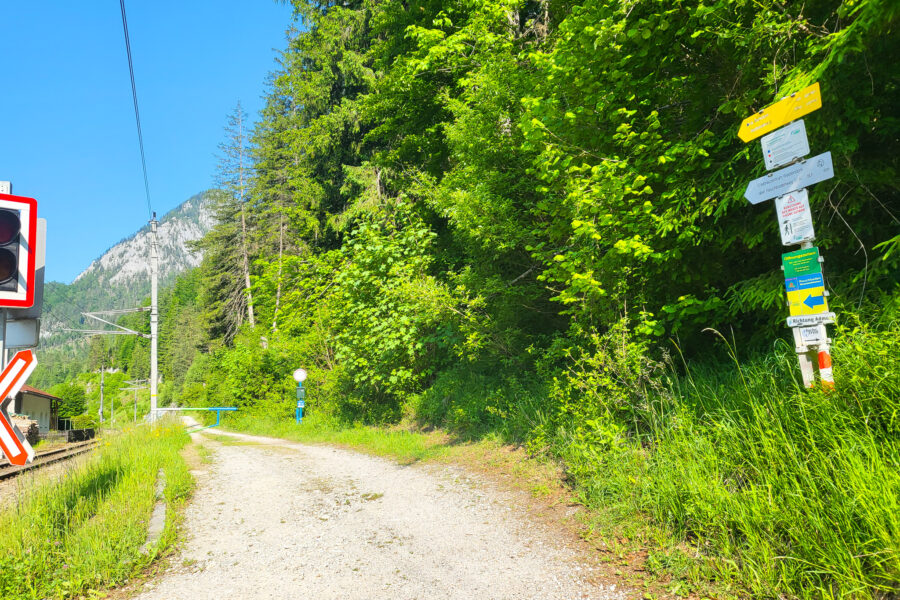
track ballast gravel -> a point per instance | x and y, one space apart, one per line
280 520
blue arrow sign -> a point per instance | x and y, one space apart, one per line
786 180
813 301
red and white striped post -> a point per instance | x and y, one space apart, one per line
825 373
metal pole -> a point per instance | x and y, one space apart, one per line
2 339
806 369
101 391
154 316
5 188
804 353
135 406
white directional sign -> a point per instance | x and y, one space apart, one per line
794 217
810 320
814 335
785 145
797 176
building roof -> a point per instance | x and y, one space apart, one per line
36 392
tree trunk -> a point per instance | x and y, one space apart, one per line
280 269
244 252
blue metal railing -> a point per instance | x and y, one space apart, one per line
218 409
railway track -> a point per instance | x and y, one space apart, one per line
48 457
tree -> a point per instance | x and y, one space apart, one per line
226 246
73 398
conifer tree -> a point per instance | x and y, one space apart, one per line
229 299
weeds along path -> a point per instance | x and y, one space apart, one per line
276 519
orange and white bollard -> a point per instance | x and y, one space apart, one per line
825 373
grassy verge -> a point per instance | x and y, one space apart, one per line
740 478
404 445
83 531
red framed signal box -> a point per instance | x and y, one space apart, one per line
18 236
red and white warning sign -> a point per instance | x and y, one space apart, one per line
12 442
794 217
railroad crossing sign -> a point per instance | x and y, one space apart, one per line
781 113
12 442
804 283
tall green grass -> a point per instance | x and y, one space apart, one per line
783 492
83 531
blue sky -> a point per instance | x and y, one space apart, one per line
67 130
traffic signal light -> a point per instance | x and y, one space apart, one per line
18 235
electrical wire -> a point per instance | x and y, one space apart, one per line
137 114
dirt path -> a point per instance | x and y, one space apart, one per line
275 519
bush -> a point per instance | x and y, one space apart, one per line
85 422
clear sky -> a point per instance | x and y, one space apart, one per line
67 130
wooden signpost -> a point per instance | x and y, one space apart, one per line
785 148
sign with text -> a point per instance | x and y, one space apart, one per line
804 283
781 113
789 179
808 320
785 145
794 217
813 335
801 262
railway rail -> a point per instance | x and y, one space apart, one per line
48 457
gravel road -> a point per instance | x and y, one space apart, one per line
275 519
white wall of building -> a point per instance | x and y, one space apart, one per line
38 409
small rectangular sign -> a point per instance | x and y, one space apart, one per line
801 262
23 333
807 301
794 218
789 179
814 334
807 320
803 282
785 145
782 112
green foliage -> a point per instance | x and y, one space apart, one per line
781 490
85 422
492 215
633 119
393 318
73 399
84 532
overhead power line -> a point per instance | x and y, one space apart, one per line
137 113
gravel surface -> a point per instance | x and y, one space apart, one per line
275 519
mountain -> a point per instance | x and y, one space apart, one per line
120 278
126 265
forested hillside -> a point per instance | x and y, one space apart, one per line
526 219
119 278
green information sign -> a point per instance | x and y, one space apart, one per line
801 262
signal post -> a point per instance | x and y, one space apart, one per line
22 241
